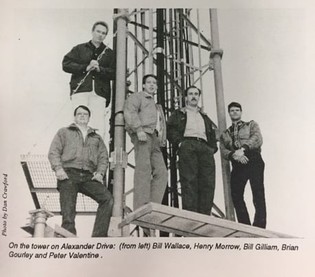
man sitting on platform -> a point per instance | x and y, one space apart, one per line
79 158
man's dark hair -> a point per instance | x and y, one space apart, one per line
187 89
145 77
234 104
84 108
103 23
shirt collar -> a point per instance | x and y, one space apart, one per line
91 45
184 110
239 123
147 95
196 110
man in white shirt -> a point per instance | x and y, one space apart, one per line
92 66
193 133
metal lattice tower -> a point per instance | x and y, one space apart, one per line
169 44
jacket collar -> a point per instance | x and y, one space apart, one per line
90 130
239 124
147 95
92 46
184 110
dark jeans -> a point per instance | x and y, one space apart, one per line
197 176
80 181
254 172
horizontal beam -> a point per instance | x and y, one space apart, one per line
196 30
204 47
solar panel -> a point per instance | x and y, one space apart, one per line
42 183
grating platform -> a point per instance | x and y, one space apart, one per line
42 183
191 224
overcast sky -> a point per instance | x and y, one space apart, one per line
266 67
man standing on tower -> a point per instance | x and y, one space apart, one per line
146 126
193 133
241 144
92 65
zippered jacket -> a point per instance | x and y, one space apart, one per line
76 61
69 150
140 112
250 139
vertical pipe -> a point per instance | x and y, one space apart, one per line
178 46
174 194
172 57
112 117
166 65
199 58
39 219
191 54
181 48
40 224
136 56
161 83
143 42
221 111
119 171
160 70
150 42
160 56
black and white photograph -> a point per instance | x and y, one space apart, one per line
157 140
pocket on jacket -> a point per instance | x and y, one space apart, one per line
244 134
93 153
69 154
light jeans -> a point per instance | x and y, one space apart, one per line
150 177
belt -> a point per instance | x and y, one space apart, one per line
196 138
78 170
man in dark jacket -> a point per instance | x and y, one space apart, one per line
241 144
92 65
79 158
193 133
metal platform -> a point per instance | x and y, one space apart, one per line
57 232
191 224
